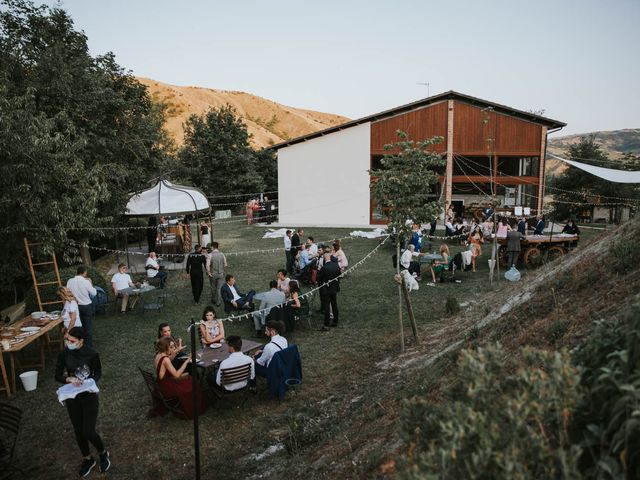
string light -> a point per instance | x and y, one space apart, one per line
311 292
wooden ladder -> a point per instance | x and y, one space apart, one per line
49 342
36 284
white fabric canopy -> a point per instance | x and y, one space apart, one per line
167 199
610 174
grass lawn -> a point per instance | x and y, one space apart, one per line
162 448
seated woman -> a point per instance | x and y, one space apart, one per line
164 330
439 265
293 306
211 329
174 383
475 239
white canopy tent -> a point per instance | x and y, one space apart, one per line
166 198
610 174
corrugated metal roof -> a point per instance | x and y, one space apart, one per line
450 95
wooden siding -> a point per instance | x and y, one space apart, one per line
478 132
420 124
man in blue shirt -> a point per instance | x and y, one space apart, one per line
303 260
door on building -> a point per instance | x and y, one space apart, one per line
458 208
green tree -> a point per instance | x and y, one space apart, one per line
77 133
402 186
217 154
574 189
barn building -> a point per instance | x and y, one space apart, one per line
491 149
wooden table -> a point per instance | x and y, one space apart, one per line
14 361
212 357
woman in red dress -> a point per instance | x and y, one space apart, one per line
175 383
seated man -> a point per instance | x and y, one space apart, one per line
407 262
120 281
232 298
270 299
154 270
276 343
236 359
312 248
283 282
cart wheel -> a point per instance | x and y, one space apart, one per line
532 257
553 253
503 258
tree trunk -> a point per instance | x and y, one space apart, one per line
399 292
85 254
412 317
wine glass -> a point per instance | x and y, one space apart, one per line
82 373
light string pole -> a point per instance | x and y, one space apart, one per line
194 396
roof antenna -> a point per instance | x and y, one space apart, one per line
426 84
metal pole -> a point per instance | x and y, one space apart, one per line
194 394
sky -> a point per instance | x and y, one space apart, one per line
578 60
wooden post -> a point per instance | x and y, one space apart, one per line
399 290
449 171
407 300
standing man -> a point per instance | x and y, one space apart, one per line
522 226
153 269
196 264
288 252
295 242
328 292
216 263
82 288
539 226
513 247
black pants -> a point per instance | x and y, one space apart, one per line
290 261
512 259
86 317
83 412
330 299
196 285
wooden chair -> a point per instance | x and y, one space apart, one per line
231 375
5 385
171 404
10 418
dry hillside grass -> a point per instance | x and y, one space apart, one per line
268 122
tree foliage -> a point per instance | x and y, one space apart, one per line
218 158
589 188
77 134
402 187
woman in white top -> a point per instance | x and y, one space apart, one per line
211 329
70 313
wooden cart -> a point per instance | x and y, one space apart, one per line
538 249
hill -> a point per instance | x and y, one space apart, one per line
268 122
615 143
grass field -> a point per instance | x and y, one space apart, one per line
333 363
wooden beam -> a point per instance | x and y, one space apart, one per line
541 167
449 171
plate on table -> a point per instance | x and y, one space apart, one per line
135 290
215 345
29 329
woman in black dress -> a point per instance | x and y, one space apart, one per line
76 363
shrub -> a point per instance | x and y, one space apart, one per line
497 422
607 419
48 292
451 306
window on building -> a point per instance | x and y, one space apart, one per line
518 166
472 166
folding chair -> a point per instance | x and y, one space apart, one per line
10 418
231 375
305 311
171 404
157 305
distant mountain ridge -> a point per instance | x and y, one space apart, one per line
268 122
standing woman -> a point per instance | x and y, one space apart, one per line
211 329
205 238
70 312
249 208
83 361
475 239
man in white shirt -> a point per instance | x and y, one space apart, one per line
277 342
120 281
407 262
236 359
312 248
82 288
233 299
153 269
288 253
